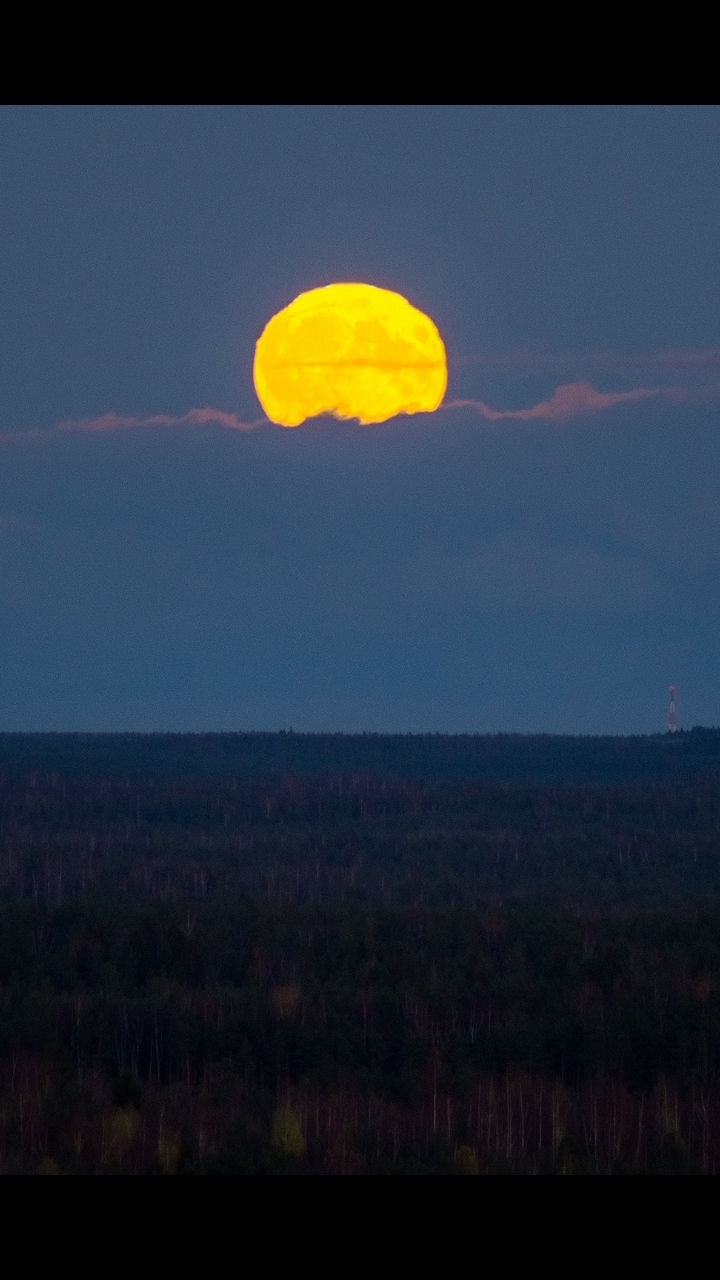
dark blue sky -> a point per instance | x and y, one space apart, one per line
438 572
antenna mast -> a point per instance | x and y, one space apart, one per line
672 715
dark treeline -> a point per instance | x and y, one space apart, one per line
432 757
338 840
357 974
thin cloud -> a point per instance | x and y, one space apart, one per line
194 417
569 401
117 422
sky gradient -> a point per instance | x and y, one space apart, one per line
543 557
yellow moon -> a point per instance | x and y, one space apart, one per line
351 350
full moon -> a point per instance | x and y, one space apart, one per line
351 350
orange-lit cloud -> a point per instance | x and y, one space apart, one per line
569 401
117 422
194 417
700 371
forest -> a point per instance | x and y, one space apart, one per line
430 757
213 966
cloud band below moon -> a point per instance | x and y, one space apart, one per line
569 401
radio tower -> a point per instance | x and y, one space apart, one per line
672 717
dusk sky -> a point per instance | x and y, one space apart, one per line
461 571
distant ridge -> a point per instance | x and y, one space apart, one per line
431 757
